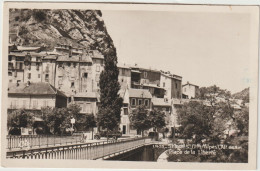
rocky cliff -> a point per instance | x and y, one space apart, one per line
79 28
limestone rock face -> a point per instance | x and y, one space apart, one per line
42 27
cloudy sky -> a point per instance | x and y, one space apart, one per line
204 48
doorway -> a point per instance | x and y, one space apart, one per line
124 129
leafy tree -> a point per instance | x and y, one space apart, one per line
196 120
208 118
157 119
20 118
139 119
110 102
89 121
56 119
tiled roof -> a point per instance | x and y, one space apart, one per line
34 89
66 58
140 93
160 102
18 54
190 84
120 65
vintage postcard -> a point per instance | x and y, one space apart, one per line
139 86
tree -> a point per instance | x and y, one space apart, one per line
139 119
90 122
56 119
110 102
196 120
157 119
208 118
19 118
211 112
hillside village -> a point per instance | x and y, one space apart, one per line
68 74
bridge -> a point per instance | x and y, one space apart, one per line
81 151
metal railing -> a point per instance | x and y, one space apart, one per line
33 141
83 151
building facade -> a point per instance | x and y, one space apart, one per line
190 90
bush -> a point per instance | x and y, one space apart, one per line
39 15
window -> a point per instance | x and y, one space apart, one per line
72 85
145 74
133 102
140 102
176 85
47 69
74 65
35 104
47 77
16 104
29 75
85 75
24 103
59 65
97 68
146 102
84 108
123 71
97 77
11 106
21 66
60 81
38 59
163 84
89 109
69 64
37 67
39 75
45 103
10 66
125 111
10 74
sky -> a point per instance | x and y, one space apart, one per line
204 48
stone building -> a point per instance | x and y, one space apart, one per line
16 67
124 76
49 69
172 85
34 96
190 90
131 99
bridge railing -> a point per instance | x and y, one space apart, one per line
32 141
90 151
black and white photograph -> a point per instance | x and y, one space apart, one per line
152 84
